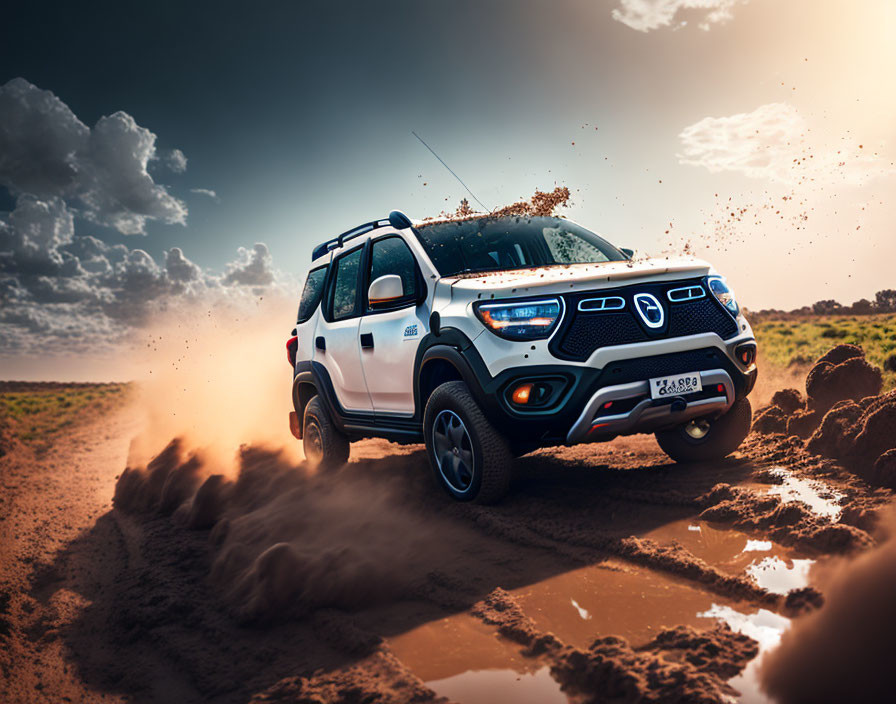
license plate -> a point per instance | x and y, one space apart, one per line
675 385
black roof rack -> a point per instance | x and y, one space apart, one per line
396 219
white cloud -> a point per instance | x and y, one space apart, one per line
46 151
647 15
252 267
205 192
775 142
175 160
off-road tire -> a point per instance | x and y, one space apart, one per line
725 435
324 445
492 457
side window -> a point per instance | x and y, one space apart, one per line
345 287
392 256
314 287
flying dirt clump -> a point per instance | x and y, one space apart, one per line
542 203
842 652
841 374
163 485
284 540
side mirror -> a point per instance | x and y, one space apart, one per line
627 252
385 290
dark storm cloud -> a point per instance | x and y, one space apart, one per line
56 284
47 151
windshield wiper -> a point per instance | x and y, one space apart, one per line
470 270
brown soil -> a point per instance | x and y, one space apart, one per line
275 583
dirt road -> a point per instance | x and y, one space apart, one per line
607 573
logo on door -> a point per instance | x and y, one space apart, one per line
650 310
410 332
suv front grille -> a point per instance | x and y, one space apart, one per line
583 332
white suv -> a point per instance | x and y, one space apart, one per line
489 337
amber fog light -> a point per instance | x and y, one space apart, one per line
746 354
521 394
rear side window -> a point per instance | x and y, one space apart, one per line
314 287
345 287
392 256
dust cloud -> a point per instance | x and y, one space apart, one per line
286 541
218 378
842 652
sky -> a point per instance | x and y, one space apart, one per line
167 154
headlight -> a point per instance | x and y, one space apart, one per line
525 320
723 294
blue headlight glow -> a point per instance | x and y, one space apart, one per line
523 320
723 294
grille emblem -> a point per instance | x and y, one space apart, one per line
650 310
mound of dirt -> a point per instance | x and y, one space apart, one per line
853 378
787 523
788 400
843 651
840 353
378 678
842 375
803 423
769 420
861 435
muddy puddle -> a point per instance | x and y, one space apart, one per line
462 658
772 566
818 496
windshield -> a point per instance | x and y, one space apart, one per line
494 244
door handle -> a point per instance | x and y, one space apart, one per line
320 343
367 340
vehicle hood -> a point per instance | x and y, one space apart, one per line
576 277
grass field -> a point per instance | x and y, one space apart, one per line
786 340
36 412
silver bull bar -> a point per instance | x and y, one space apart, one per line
647 414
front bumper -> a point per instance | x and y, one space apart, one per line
620 372
648 414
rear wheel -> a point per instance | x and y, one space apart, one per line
704 439
324 445
470 459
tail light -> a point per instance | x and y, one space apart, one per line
292 346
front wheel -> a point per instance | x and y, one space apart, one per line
703 439
470 459
324 445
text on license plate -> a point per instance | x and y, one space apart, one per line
675 385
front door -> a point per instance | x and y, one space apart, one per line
390 333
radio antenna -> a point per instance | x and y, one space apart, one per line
486 208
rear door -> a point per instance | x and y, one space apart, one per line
390 334
336 344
